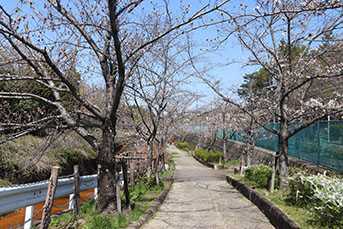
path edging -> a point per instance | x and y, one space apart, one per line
276 216
202 161
153 208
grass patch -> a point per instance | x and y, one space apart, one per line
4 182
171 163
232 162
168 173
300 216
90 218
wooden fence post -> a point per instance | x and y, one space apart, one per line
126 187
117 180
132 173
49 198
76 189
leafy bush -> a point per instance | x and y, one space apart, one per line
259 175
185 146
294 170
321 194
233 162
208 156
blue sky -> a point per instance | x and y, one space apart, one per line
229 74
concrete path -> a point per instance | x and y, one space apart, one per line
201 198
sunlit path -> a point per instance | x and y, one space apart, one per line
201 198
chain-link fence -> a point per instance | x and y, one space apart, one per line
321 143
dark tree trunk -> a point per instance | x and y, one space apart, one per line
156 167
107 181
283 160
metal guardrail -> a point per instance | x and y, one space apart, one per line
13 198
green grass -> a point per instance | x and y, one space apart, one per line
232 162
4 182
171 163
300 216
141 197
168 173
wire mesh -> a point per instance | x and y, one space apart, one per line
321 143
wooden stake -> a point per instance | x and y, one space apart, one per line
132 174
76 189
126 187
52 185
117 180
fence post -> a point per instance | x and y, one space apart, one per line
49 198
96 190
132 171
76 189
318 144
117 179
28 216
71 201
126 187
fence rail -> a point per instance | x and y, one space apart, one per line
16 197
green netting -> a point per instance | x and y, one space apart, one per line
321 143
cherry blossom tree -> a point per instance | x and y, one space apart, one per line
104 41
271 32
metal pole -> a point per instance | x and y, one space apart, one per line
71 201
318 140
329 128
28 216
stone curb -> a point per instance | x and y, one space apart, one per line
153 208
277 217
203 162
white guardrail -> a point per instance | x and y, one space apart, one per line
17 197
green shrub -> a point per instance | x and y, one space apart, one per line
182 145
300 190
185 146
208 156
294 170
259 175
321 194
233 162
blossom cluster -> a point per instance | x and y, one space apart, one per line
322 194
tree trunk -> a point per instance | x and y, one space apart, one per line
163 159
107 181
149 159
242 164
225 150
156 166
283 160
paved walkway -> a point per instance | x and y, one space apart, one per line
201 198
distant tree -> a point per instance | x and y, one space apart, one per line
260 31
254 83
